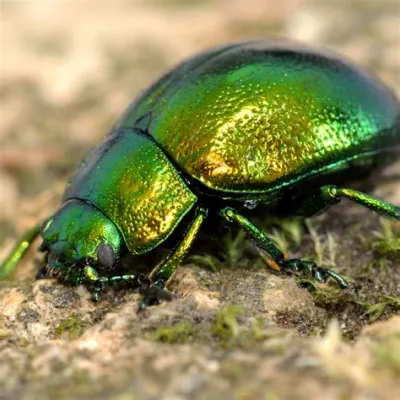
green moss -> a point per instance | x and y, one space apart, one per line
257 328
230 332
293 228
71 328
226 326
388 239
375 311
323 294
206 260
231 251
366 270
387 246
280 240
177 333
233 248
371 268
325 246
284 232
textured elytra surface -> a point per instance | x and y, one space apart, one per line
257 115
56 344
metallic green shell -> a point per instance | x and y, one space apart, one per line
74 220
131 181
255 117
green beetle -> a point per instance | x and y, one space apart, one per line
270 123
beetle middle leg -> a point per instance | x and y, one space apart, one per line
274 257
154 289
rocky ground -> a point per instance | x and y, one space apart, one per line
235 330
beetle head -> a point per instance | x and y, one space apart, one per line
78 235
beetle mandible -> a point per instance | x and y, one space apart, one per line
273 123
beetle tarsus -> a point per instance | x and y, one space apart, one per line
311 269
153 294
96 291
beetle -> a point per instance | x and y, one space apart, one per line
266 123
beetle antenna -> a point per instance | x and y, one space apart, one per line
20 249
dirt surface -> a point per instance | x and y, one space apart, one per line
235 330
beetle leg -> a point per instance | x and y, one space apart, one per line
259 238
309 267
380 206
94 282
274 257
134 278
19 251
329 195
154 289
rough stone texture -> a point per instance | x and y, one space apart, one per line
68 69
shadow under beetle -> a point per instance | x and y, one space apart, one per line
271 123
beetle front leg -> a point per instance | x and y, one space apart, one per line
274 257
96 283
154 289
20 249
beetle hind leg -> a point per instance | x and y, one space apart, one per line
274 257
373 203
328 195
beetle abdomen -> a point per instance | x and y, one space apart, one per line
259 114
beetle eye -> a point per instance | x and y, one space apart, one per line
106 257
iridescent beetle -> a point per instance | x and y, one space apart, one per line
270 123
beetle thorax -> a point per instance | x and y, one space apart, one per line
130 179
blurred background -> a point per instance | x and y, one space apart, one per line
69 68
